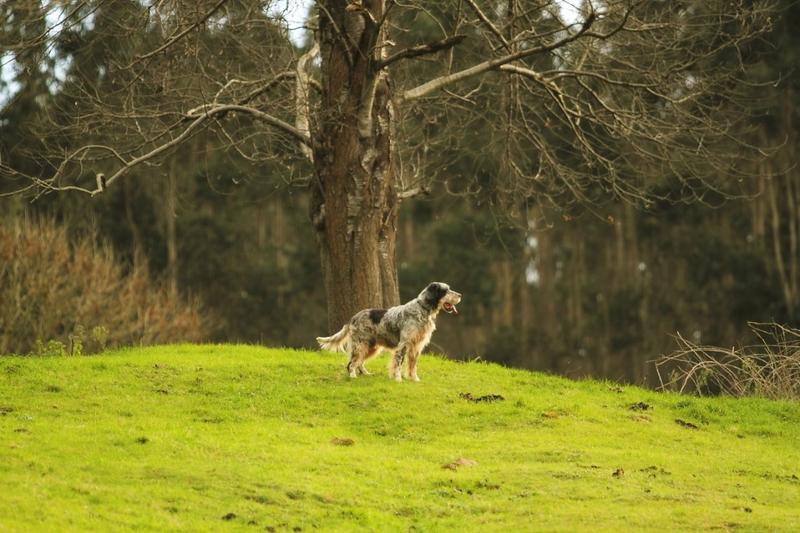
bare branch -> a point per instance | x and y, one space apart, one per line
345 40
269 119
175 38
128 165
422 49
416 191
480 68
769 369
245 99
302 83
489 24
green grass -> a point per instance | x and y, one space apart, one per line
240 437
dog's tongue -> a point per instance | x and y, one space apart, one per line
450 308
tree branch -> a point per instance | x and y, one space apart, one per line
416 191
196 111
343 38
175 38
480 68
198 120
489 24
269 119
422 49
302 89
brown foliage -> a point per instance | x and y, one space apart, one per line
770 368
51 288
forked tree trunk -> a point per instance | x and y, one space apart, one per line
354 199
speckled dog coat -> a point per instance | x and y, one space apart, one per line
403 330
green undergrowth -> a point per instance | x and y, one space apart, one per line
241 437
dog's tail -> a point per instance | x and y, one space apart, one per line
338 342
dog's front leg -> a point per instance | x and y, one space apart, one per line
413 354
397 363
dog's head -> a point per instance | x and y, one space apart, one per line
438 296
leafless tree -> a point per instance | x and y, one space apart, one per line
608 98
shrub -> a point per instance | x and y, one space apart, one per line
52 291
770 368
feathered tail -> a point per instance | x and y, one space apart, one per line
338 342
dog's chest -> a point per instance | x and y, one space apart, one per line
426 332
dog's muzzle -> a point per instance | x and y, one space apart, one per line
450 300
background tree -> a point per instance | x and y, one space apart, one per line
591 105
577 287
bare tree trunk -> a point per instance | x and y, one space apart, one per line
792 220
278 239
546 319
354 199
759 207
632 238
409 244
278 234
261 225
790 183
605 364
503 310
387 246
777 247
620 267
524 316
170 232
576 287
136 235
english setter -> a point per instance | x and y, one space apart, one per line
403 330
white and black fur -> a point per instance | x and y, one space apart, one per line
403 330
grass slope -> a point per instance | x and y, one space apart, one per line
240 437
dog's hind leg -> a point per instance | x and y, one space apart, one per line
358 355
352 364
369 355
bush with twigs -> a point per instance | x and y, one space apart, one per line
769 368
71 297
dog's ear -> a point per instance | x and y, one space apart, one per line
433 293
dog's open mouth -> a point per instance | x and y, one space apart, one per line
449 308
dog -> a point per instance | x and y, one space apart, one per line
403 330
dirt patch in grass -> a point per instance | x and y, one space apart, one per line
685 424
458 463
487 398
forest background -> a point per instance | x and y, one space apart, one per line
593 288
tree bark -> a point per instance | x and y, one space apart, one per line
791 193
137 248
354 198
170 232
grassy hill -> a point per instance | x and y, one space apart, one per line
241 437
